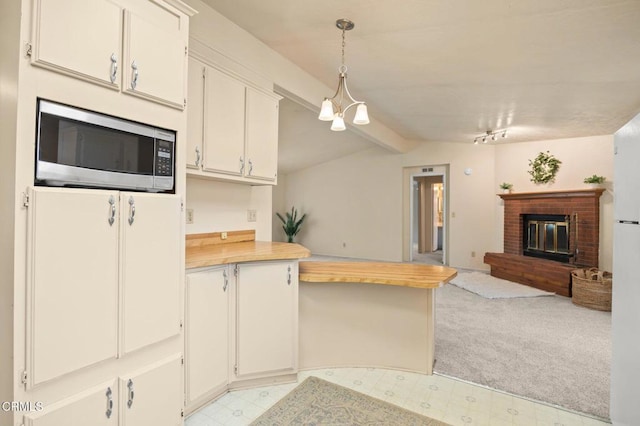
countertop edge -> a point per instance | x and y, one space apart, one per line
224 254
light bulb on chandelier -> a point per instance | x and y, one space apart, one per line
332 109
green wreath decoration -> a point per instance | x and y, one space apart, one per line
544 168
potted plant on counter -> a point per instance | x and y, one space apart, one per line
595 181
506 187
291 225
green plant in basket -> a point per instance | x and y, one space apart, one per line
291 225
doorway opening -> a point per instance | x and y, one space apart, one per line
428 229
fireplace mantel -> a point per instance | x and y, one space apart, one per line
592 192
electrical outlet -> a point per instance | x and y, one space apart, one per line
189 216
473 254
223 235
252 215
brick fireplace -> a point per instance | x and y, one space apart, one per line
580 210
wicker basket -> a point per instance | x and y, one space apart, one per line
591 288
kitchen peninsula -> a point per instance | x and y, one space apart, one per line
255 314
373 314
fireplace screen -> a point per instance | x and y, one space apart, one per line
547 236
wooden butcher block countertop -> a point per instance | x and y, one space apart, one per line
209 249
388 273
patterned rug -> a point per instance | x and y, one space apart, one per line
318 402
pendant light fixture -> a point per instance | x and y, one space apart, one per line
332 108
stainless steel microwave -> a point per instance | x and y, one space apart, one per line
81 148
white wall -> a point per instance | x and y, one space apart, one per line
345 209
221 206
358 200
581 157
278 201
9 52
359 205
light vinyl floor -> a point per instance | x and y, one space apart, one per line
439 397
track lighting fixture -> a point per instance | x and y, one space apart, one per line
492 134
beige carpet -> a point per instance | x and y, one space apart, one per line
318 402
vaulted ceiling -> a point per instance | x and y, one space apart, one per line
449 70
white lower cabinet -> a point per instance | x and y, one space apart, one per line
151 396
154 395
97 406
207 333
266 327
241 327
104 300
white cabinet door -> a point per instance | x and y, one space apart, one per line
195 113
79 37
97 406
207 332
72 299
262 135
153 396
155 54
150 257
266 318
223 124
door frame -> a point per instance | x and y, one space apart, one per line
410 207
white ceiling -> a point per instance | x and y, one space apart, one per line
448 70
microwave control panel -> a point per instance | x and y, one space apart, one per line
164 158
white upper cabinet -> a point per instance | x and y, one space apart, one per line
137 47
155 53
195 113
233 128
224 123
262 135
79 37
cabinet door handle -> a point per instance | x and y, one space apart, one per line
134 79
226 281
114 67
131 393
197 157
241 165
112 214
109 403
132 210
250 167
289 275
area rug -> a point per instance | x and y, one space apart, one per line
318 402
491 287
